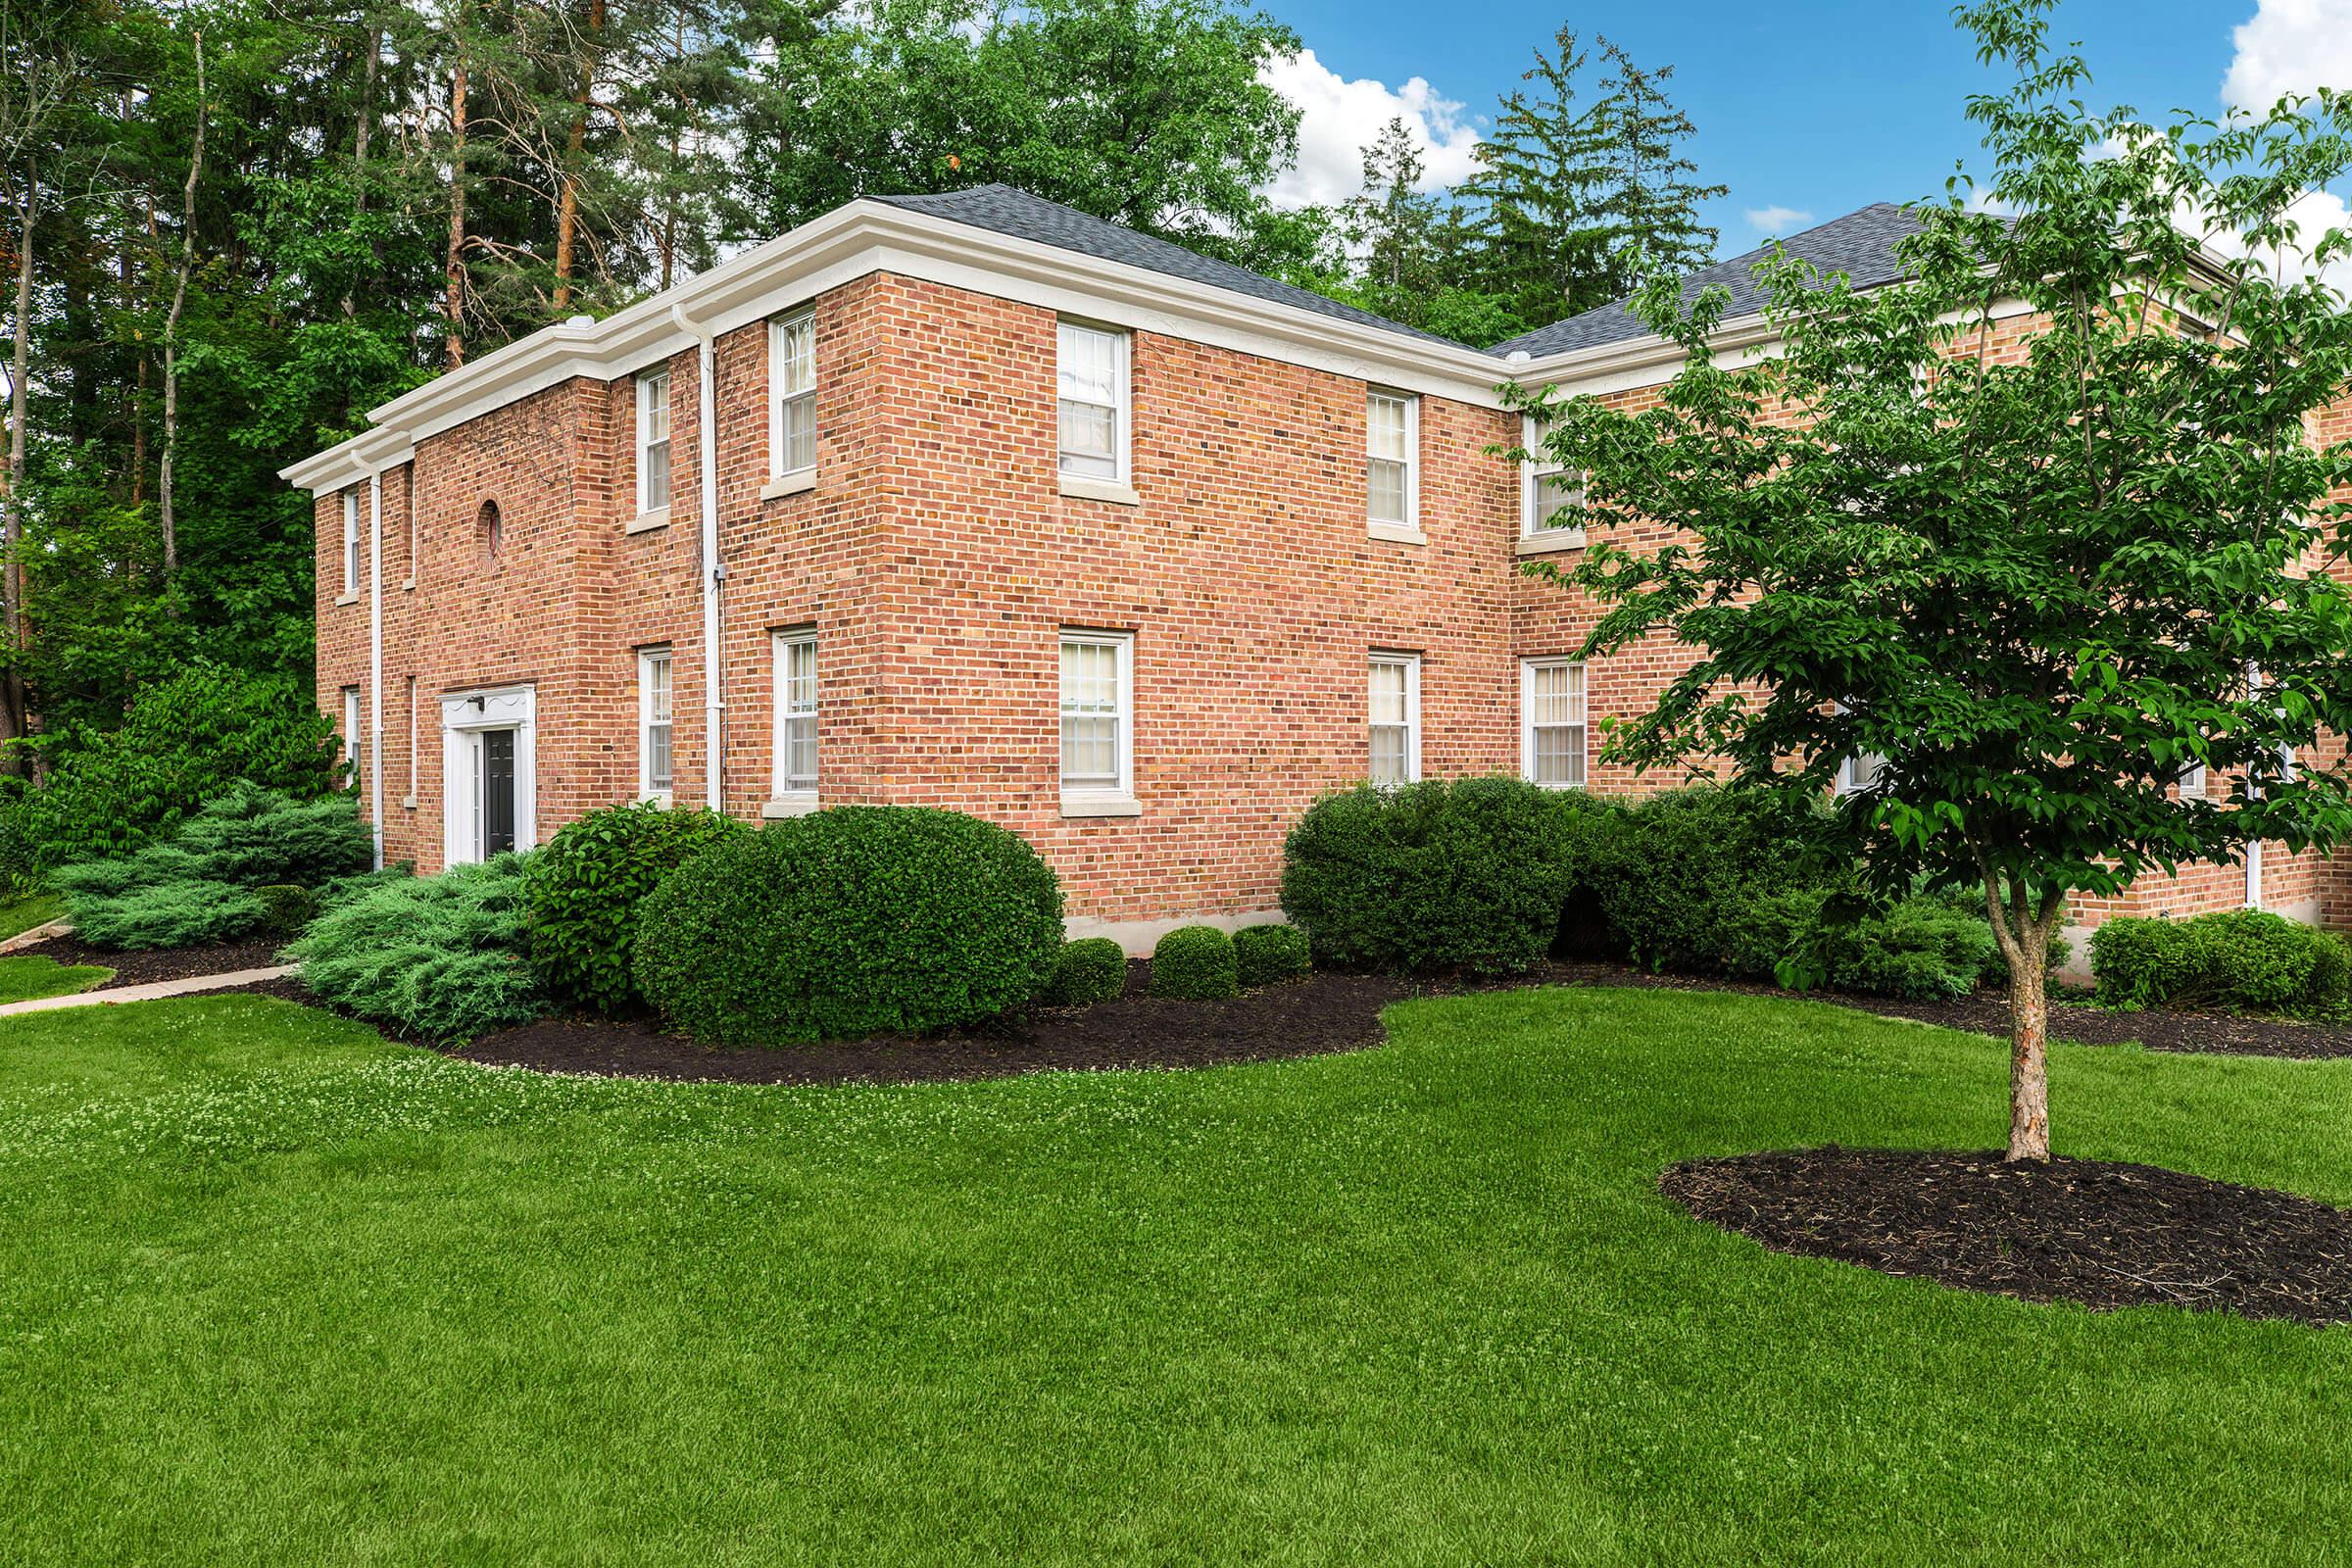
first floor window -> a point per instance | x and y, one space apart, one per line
653 723
792 389
653 441
1391 443
795 711
1091 385
1858 773
2192 783
351 731
351 541
1096 695
1551 710
1396 718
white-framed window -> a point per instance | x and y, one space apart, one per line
654 751
350 542
1396 712
1861 772
796 712
2192 783
653 441
1551 722
1098 706
352 733
792 394
1545 487
1092 383
1393 458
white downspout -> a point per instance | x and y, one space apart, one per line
375 660
2253 791
713 571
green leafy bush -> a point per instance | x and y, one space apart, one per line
438 957
181 743
1685 877
22 873
200 884
2243 959
1270 955
286 907
858 920
1924 947
583 889
1467 876
1090 969
1195 963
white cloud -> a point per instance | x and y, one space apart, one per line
1338 117
1777 220
2314 215
2290 46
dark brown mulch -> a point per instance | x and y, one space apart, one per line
2101 1233
1325 1013
161 963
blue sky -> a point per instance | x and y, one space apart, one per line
1813 108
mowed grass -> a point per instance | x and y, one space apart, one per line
24 977
274 1290
19 916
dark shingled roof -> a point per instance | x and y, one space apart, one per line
1003 210
1861 245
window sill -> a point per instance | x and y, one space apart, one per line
351 598
1551 541
1100 805
1085 489
1402 533
789 484
648 521
791 802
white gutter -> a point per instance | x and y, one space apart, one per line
714 569
375 660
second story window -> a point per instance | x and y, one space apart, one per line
792 394
1396 718
1546 489
653 724
1392 445
350 542
653 441
1091 381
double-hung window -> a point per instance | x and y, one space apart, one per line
652 442
1551 722
1391 458
792 395
1092 383
1546 489
1860 771
1395 705
796 714
1098 702
2192 783
351 543
653 723
350 734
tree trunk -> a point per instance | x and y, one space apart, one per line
180 299
568 199
2030 1046
15 721
359 152
454 303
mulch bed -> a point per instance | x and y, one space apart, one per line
161 963
2104 1233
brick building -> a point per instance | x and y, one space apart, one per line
975 501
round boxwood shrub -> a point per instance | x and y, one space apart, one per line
1090 969
2241 958
1195 963
582 890
1270 955
858 920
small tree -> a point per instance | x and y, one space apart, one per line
2033 583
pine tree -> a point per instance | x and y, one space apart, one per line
1652 203
1544 176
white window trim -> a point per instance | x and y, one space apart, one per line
1526 720
1848 781
646 515
778 474
1411 665
2196 783
353 720
1117 799
1534 538
351 549
1409 530
1118 486
785 799
645 723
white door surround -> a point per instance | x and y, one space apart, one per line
466 717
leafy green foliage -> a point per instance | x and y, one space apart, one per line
1195 963
286 907
1270 955
856 921
1678 876
1090 969
2241 958
1442 875
439 957
1924 947
583 889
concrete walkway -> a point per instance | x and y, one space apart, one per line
149 992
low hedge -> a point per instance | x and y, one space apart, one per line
2245 959
856 921
583 887
1685 878
1195 963
1925 946
439 957
1089 969
1270 955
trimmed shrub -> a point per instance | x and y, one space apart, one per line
1090 969
1468 875
583 888
1270 955
1195 963
1685 878
2245 959
1924 947
286 907
437 957
856 921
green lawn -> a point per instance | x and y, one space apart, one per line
21 916
274 1290
24 977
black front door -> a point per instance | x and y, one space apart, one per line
498 792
